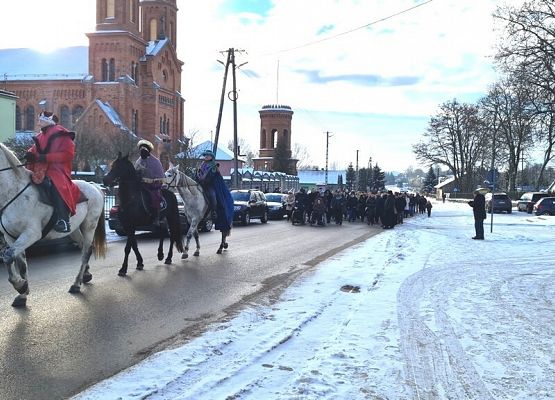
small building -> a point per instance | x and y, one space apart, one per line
316 179
8 102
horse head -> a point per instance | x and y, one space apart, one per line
121 170
172 176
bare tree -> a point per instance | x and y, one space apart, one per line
301 154
454 138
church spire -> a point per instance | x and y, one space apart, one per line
159 20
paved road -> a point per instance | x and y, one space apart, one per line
62 343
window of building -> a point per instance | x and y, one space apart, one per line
112 70
76 113
104 68
30 118
161 125
17 118
274 138
110 9
153 29
132 10
65 117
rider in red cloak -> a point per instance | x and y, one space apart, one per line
52 155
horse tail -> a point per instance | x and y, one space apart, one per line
174 223
99 240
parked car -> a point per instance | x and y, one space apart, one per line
528 199
205 225
501 202
545 206
276 205
249 204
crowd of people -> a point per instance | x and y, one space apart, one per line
386 209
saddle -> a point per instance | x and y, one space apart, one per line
146 202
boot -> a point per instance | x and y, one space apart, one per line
62 212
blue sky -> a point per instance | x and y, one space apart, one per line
344 66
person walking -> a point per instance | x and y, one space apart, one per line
479 209
429 208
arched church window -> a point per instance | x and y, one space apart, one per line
76 113
104 68
110 9
65 117
30 118
153 29
132 11
274 138
161 125
112 70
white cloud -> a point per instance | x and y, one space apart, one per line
443 45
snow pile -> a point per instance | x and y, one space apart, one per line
420 311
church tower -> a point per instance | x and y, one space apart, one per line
159 20
275 137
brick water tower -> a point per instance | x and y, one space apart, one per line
275 140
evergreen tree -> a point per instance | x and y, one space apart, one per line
430 180
350 177
379 178
340 181
280 163
362 179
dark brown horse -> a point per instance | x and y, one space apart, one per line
132 212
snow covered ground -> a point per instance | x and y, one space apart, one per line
431 314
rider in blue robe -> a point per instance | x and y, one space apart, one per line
220 202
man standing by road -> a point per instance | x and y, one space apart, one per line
479 208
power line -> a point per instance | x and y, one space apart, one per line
352 30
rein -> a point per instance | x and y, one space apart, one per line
17 166
6 206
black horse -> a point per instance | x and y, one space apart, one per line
133 213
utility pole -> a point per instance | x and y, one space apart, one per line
232 95
218 124
327 151
356 176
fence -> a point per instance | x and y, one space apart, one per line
109 202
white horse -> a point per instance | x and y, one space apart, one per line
23 217
196 207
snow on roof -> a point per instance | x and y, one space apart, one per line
112 114
29 64
222 153
155 46
445 182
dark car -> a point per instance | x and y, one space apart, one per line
276 205
501 202
249 204
545 206
528 199
114 224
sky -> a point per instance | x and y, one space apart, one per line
394 317
371 72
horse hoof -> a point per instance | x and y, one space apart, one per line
23 289
226 245
196 253
74 289
122 273
219 251
19 302
168 261
87 277
140 267
184 256
160 256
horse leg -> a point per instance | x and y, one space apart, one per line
85 257
189 236
123 269
222 243
197 251
168 260
135 247
225 235
161 247
21 266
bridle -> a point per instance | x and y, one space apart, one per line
12 200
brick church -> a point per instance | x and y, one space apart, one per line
127 81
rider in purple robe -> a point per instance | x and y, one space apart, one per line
152 175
